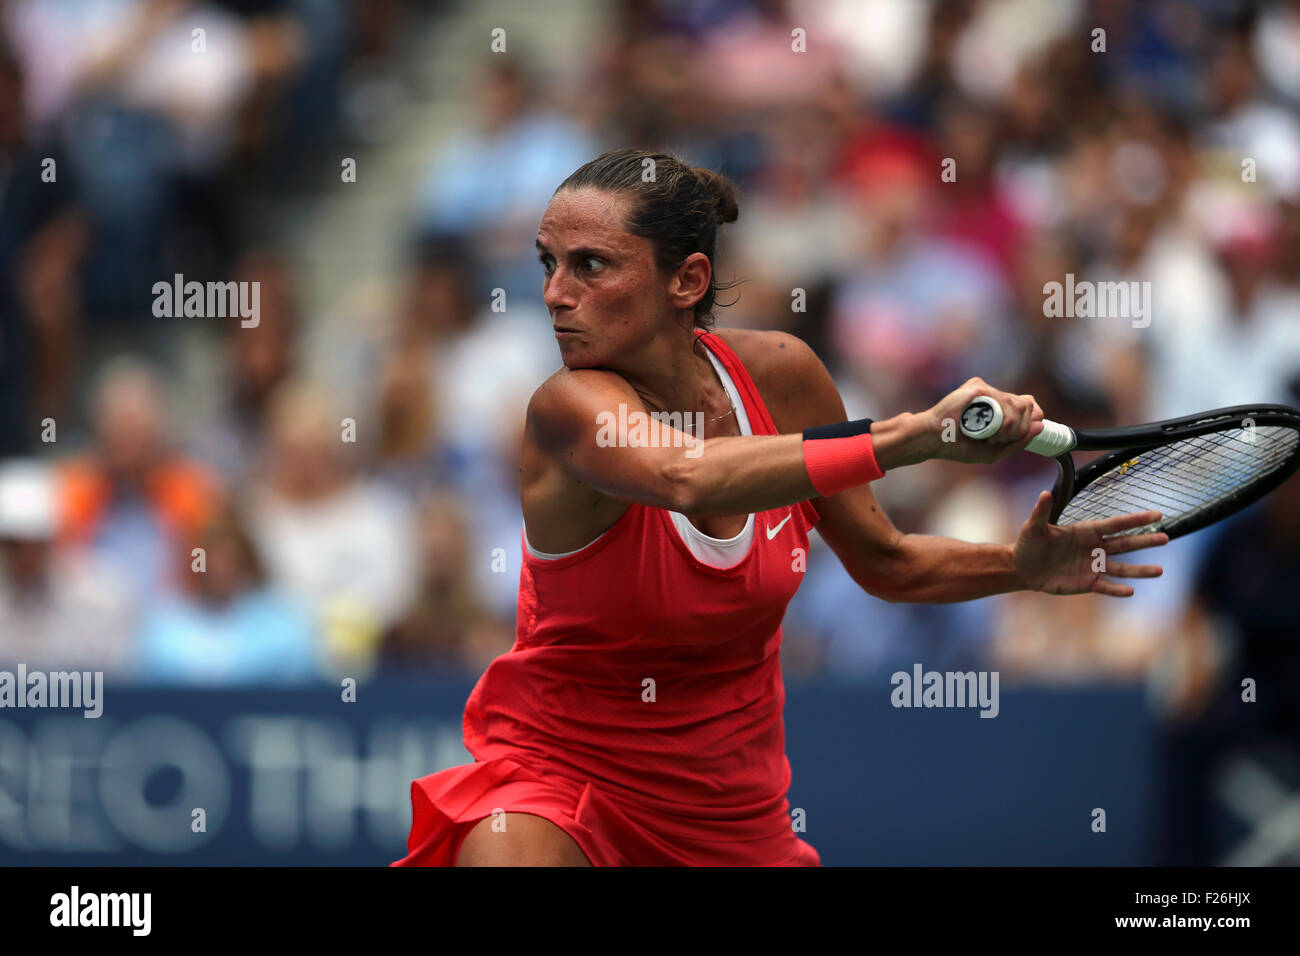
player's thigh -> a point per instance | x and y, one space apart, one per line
519 839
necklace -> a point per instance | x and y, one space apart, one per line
722 416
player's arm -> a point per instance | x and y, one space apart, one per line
881 559
573 417
916 568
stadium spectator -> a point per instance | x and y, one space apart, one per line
447 630
60 608
132 497
227 626
257 360
341 544
41 239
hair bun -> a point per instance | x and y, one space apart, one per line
726 208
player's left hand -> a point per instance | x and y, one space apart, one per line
1075 559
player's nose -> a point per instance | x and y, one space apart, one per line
558 293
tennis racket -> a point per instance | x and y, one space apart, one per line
1194 470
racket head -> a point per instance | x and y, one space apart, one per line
1195 471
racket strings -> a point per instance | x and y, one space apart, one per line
1186 476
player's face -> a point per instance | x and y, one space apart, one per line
601 286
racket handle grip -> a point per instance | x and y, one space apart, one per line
1055 439
982 417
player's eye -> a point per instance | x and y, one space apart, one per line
587 263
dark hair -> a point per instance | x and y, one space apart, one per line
679 208
229 521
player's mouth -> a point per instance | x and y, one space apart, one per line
561 331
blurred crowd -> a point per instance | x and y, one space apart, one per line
910 181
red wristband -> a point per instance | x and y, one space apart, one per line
834 464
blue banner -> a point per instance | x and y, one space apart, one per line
301 777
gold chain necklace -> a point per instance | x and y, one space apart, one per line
722 416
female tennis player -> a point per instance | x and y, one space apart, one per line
638 718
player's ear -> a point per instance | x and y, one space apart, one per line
691 281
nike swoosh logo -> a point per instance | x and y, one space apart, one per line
772 532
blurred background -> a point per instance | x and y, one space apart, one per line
379 169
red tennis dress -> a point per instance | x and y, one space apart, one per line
640 707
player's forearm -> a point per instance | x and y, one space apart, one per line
739 475
931 570
755 473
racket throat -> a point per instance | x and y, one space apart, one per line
1063 491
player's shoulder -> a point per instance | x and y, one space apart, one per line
569 396
567 383
766 351
794 383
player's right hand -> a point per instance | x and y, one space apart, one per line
1022 420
